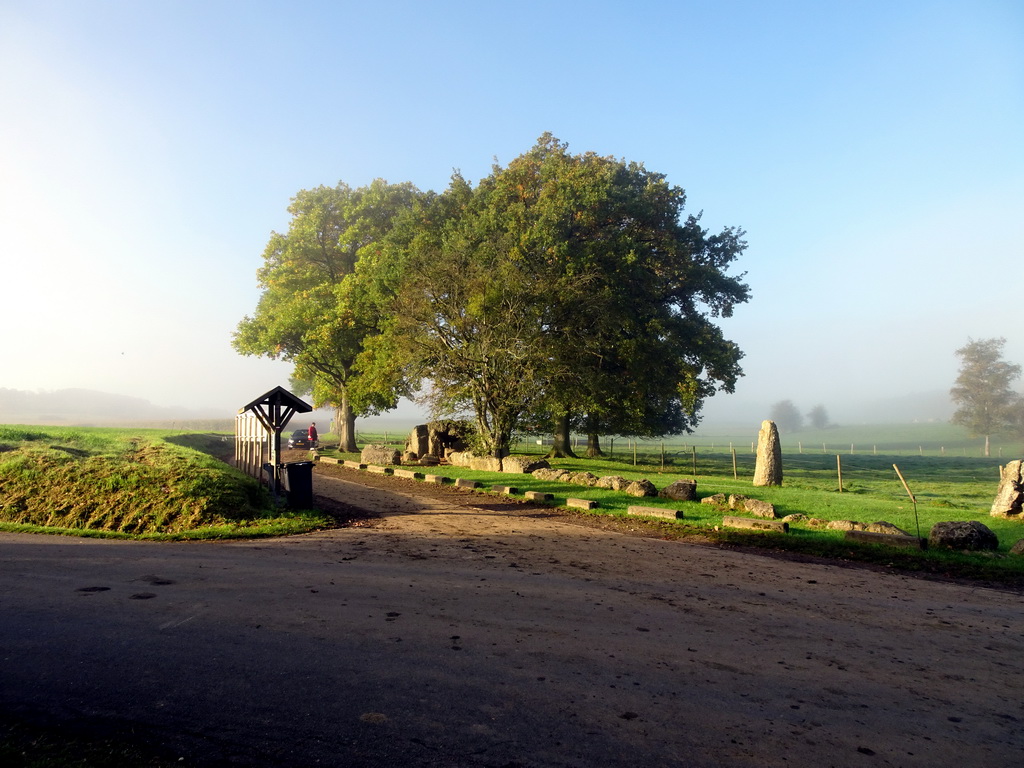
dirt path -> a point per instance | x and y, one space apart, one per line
455 629
779 662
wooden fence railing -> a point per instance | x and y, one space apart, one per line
252 445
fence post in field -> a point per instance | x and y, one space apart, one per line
732 450
823 448
800 446
912 498
634 452
662 455
839 471
851 449
695 462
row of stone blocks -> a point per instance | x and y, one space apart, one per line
507 490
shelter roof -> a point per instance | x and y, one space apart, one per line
279 396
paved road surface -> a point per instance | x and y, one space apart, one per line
448 635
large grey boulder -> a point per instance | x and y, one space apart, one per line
523 464
755 507
768 465
612 482
1009 501
640 488
964 535
583 478
485 464
680 490
381 455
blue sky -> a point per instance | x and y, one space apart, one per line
872 151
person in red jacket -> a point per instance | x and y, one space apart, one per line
313 437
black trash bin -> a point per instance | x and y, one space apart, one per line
300 484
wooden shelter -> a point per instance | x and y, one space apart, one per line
273 410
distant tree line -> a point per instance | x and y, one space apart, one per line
563 292
788 418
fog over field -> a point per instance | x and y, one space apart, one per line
871 151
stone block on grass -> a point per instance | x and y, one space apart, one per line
464 483
762 525
409 474
436 479
888 539
663 512
538 496
581 503
353 464
378 470
507 490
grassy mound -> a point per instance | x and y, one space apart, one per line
130 483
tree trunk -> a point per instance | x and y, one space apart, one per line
346 421
562 446
594 446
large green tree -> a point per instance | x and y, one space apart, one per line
628 287
312 312
562 285
986 404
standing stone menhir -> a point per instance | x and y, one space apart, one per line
768 469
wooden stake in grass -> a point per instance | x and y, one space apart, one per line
695 462
662 455
735 476
839 470
911 495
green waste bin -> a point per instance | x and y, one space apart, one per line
299 477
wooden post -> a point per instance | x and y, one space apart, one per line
735 476
662 455
634 452
823 448
611 448
851 449
912 498
800 446
695 462
839 470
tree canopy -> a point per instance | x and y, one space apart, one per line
566 284
563 288
311 312
986 404
787 417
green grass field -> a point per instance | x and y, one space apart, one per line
139 483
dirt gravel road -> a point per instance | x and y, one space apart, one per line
455 629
